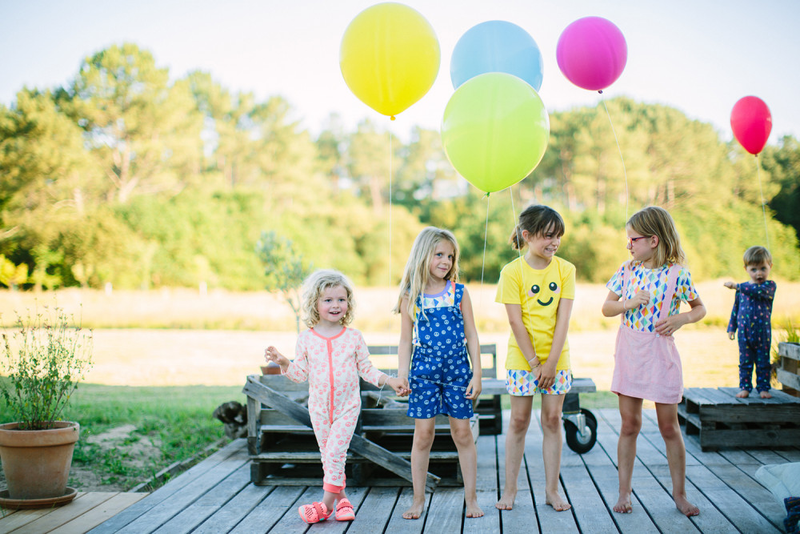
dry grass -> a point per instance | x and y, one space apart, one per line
180 337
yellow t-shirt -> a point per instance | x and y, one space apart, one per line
538 293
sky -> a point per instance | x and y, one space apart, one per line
699 56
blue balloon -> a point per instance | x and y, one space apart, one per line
496 46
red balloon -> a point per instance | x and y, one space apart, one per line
751 122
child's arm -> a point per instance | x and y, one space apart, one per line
514 312
669 325
473 347
368 372
297 370
547 375
733 322
613 306
404 346
272 355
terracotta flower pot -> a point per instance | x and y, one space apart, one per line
36 462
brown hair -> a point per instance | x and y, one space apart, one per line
536 219
757 256
655 221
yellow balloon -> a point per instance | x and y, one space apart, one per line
389 57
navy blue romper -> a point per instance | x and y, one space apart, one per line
440 370
751 315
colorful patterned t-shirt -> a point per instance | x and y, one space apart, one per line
655 281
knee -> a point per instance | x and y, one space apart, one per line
551 422
461 436
519 423
423 438
630 426
670 430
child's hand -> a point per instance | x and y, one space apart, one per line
730 285
474 388
732 335
641 298
670 325
399 385
546 376
272 355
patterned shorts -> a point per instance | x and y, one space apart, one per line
520 383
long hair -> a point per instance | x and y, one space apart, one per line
536 219
417 271
655 221
314 285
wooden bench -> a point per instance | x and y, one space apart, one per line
789 367
716 418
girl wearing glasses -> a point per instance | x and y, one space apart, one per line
647 291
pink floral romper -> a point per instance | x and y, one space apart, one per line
332 366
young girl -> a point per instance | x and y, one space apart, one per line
437 320
538 290
647 364
331 357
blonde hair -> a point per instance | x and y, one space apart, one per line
655 221
536 219
757 256
417 271
314 285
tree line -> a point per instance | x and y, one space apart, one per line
129 177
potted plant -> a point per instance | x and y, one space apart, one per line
43 358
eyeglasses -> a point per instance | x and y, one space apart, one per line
632 240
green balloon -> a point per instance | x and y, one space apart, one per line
495 130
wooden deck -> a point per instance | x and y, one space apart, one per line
216 496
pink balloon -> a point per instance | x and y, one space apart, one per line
751 123
592 53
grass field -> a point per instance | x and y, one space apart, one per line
163 360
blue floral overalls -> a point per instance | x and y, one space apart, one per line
440 371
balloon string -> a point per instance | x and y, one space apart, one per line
763 204
624 171
485 239
390 206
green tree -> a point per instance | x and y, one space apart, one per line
284 269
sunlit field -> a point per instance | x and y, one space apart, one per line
183 337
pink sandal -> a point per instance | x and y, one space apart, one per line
314 513
344 511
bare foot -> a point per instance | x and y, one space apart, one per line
623 505
473 510
766 395
506 502
686 508
417 507
555 500
743 394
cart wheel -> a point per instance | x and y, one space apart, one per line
578 442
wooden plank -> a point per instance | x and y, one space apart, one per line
282 501
486 489
173 504
98 514
446 513
398 525
233 511
748 438
789 350
15 519
64 514
362 446
549 519
522 517
196 472
590 510
778 397
375 512
207 504
788 379
290 521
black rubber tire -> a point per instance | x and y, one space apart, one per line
574 440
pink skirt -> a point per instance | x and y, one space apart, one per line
647 366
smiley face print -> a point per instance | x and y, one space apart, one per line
536 292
